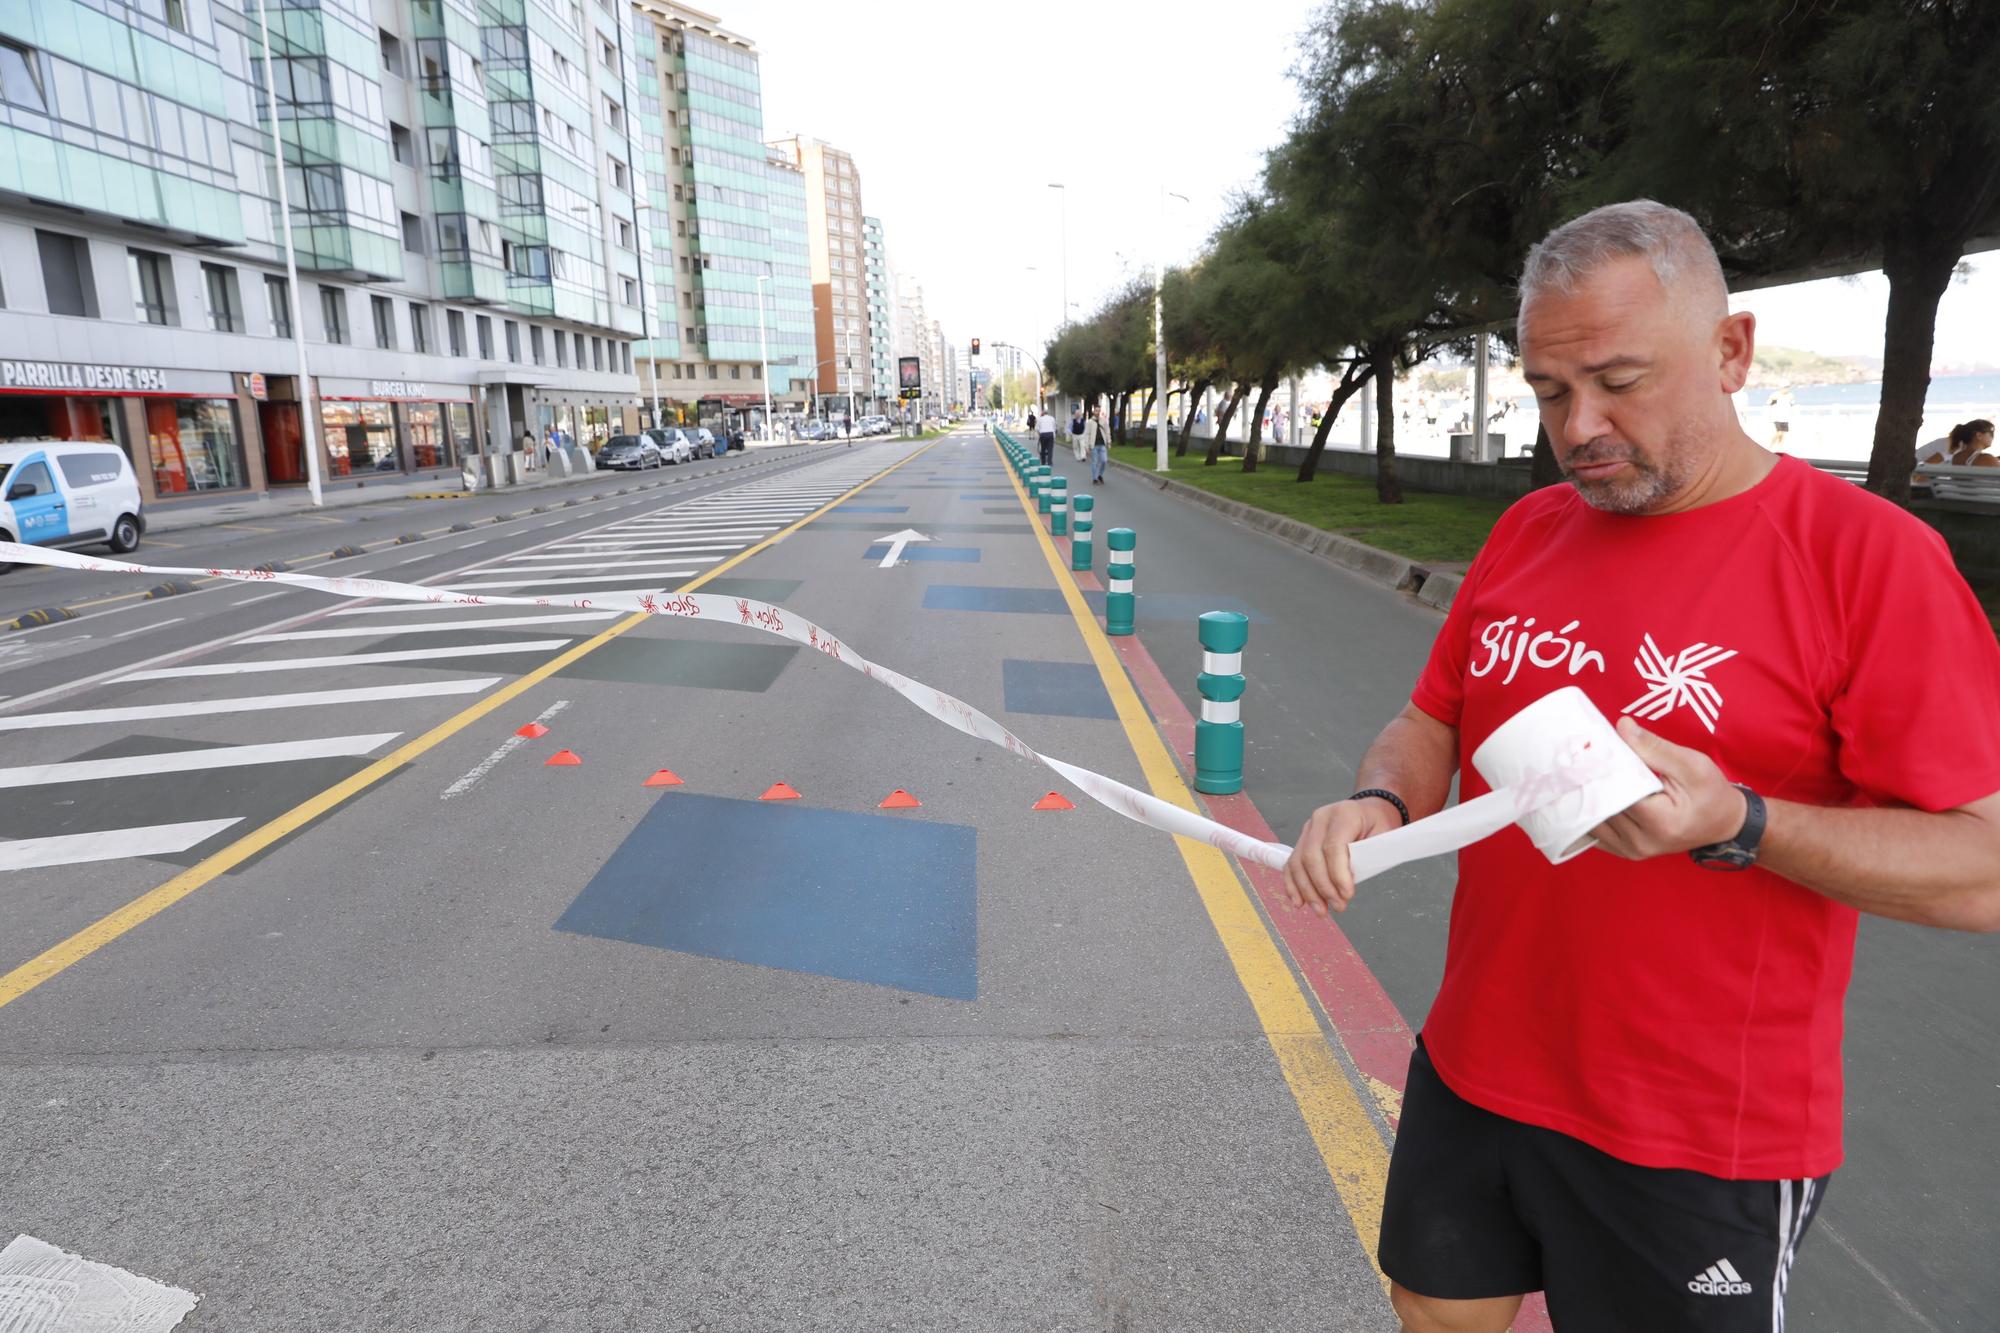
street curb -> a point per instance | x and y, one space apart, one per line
1371 562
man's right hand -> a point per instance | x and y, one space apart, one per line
1318 875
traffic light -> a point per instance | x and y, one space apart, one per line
975 347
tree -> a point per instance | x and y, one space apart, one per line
1825 134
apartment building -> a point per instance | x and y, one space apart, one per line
465 210
729 236
836 232
881 302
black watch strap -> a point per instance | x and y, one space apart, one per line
1388 796
1740 852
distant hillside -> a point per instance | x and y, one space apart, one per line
1794 366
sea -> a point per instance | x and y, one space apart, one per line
1830 421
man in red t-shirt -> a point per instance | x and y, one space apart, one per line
1628 1092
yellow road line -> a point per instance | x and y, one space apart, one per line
22 979
1335 1115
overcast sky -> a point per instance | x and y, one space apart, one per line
960 115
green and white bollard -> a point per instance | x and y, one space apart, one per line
1079 536
1118 580
1059 507
1218 736
1044 488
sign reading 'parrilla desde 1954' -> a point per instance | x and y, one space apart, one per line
86 378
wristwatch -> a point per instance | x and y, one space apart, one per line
1740 852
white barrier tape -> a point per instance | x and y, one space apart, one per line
1222 664
1213 710
1558 768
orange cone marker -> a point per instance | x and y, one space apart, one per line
1055 800
533 730
899 800
666 777
562 759
780 791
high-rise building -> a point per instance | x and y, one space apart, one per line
462 206
729 236
836 233
881 312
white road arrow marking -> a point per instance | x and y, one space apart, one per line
897 541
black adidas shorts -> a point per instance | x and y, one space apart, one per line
1479 1205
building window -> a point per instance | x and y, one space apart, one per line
152 286
690 333
66 275
484 328
513 341
625 356
614 115
597 353
624 234
392 52
714 373
177 18
333 313
194 444
21 77
535 343
420 328
736 372
684 263
454 332
562 349
413 233
679 194
607 52
618 176
278 295
399 144
631 291
225 303
384 311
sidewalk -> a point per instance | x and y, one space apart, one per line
200 512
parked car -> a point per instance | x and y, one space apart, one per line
69 493
676 446
814 429
629 452
875 425
704 440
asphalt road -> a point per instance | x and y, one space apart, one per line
474 1042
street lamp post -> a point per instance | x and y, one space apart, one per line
1064 196
763 357
308 423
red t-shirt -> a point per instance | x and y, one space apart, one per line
1797 633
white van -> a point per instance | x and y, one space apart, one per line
69 493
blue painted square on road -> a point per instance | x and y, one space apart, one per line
987 495
872 509
962 555
964 597
1055 689
881 899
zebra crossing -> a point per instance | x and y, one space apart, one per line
174 770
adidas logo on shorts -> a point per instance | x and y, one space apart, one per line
1719 1279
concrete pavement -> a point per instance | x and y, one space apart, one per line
495 1045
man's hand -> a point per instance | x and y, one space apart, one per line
1698 807
1318 875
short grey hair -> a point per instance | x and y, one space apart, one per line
1669 240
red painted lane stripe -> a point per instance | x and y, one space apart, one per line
1364 1018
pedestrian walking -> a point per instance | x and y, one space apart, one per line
1100 446
527 447
1076 433
1045 436
1627 1092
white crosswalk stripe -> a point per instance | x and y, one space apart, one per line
632 549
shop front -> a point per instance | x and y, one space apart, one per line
377 427
191 421
572 418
